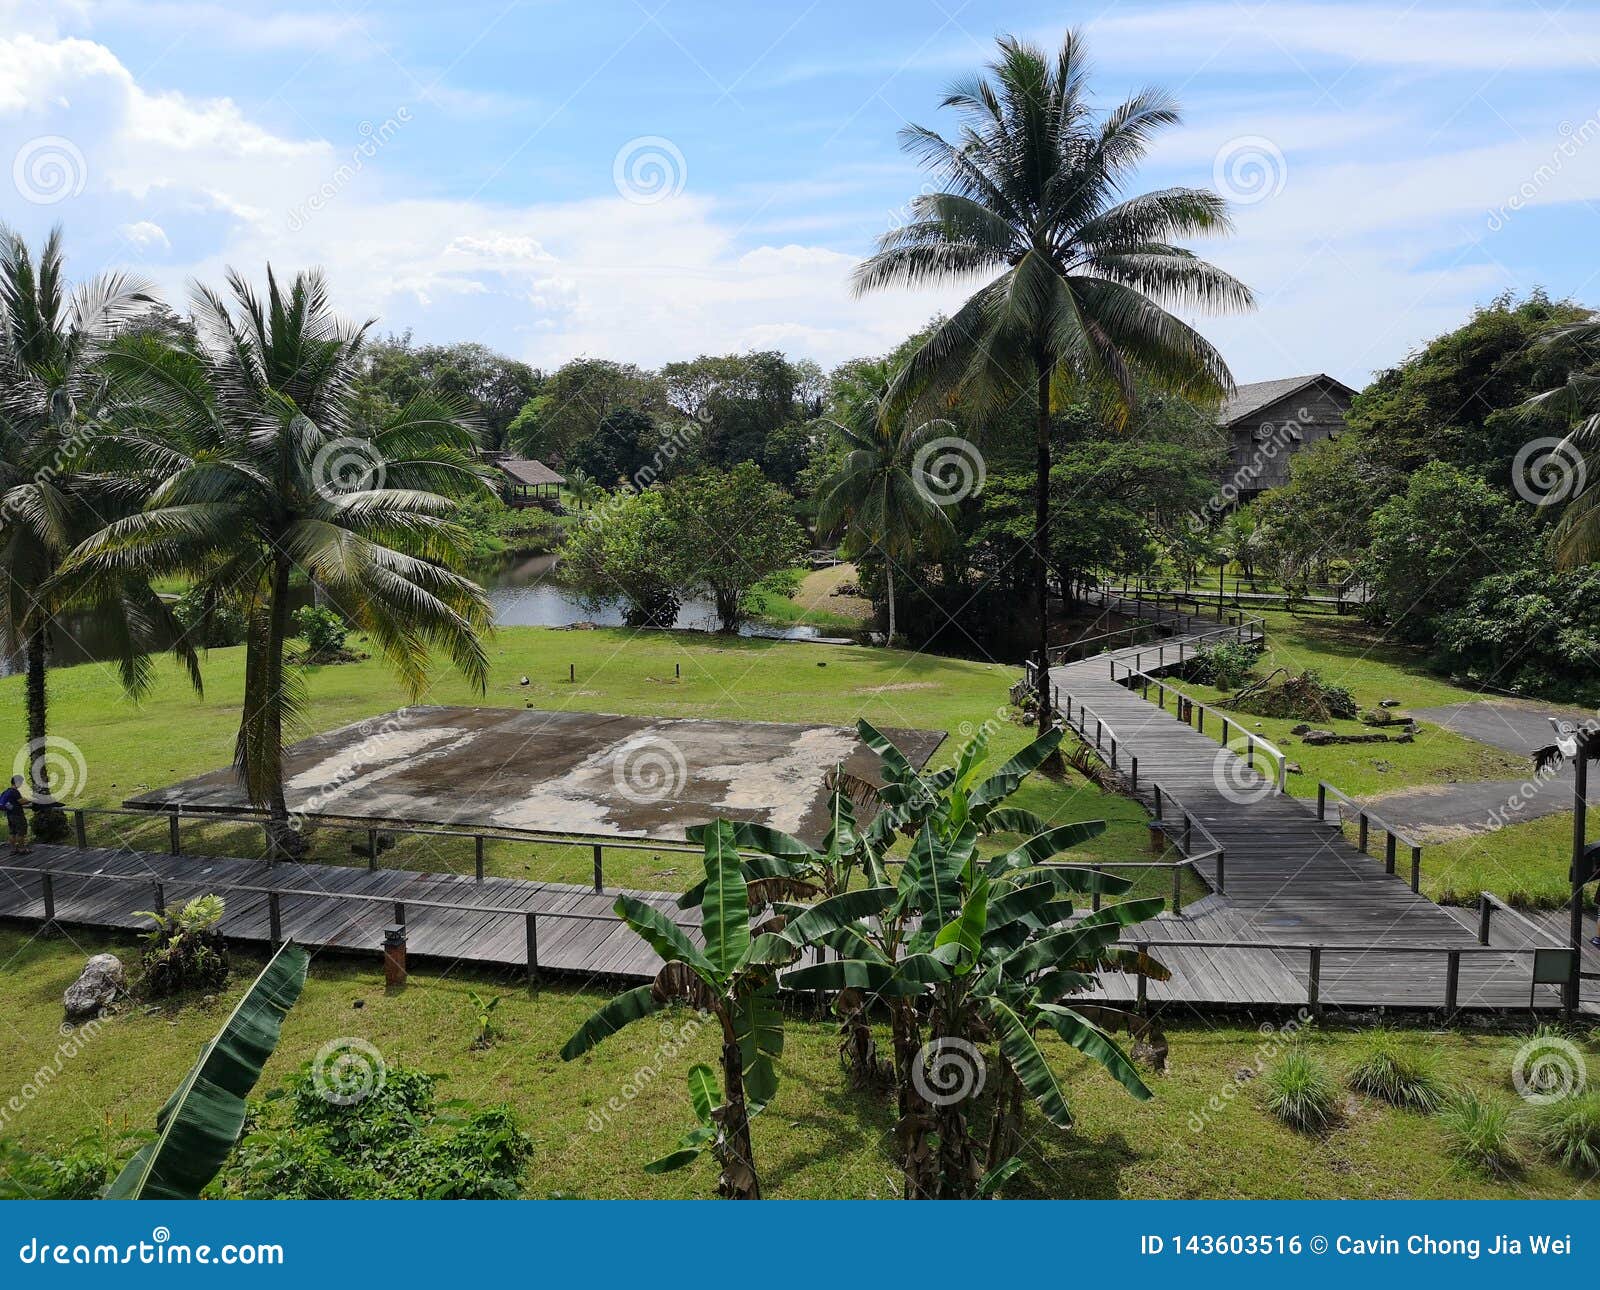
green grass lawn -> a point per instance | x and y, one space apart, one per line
129 748
595 1121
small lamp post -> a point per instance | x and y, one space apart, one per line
394 955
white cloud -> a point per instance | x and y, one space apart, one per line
146 235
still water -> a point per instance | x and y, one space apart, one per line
524 591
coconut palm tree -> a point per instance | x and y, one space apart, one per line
883 498
265 473
1032 192
55 397
583 487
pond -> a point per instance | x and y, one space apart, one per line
524 591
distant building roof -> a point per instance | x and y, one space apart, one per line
522 470
1247 400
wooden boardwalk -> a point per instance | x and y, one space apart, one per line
451 918
1290 878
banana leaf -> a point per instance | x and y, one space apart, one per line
200 1122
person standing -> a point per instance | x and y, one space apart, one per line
12 803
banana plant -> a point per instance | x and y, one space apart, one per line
980 949
705 1097
733 979
200 1122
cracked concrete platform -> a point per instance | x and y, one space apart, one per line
567 772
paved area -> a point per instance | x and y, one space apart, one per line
561 772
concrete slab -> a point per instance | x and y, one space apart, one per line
568 772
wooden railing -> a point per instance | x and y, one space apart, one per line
1176 823
1393 839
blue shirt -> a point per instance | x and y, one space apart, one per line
11 801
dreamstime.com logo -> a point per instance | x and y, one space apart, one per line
674 1040
160 1250
648 170
1235 778
1548 1069
1249 169
53 766
347 465
347 1071
946 1071
649 770
49 169
948 470
74 1039
1548 471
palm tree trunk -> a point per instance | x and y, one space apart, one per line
734 1150
49 821
1041 542
284 843
888 572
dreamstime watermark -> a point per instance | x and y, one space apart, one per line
1548 1069
649 769
649 169
948 470
378 742
1567 740
374 138
160 1250
948 1070
675 1039
54 767
1249 169
1574 138
1271 439
74 1038
49 169
1274 1038
67 451
347 464
1548 471
347 1071
1233 775
675 444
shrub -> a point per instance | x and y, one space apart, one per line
1300 1091
1397 1071
209 624
82 1172
323 631
1568 1131
185 950
1226 666
398 1143
1481 1133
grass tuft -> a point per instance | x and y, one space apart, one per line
1300 1092
1568 1131
1390 1067
1481 1133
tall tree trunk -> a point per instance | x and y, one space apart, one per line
49 821
888 572
1041 542
734 1150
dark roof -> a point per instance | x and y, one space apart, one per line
1247 400
522 470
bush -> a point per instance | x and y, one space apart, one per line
1397 1071
1226 666
1301 1092
1481 1133
396 1144
1568 1131
185 951
209 624
323 631
82 1172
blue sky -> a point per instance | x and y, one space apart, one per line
648 180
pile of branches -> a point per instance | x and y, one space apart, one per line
1305 697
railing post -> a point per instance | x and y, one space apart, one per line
1314 981
1188 825
532 935
1416 868
161 898
174 847
80 829
372 854
274 920
1143 949
1361 832
1177 889
1133 773
49 885
1452 982
1222 880
1099 729
477 856
1388 850
1322 801
400 912
599 877
1485 909
1158 801
1113 752
1200 718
